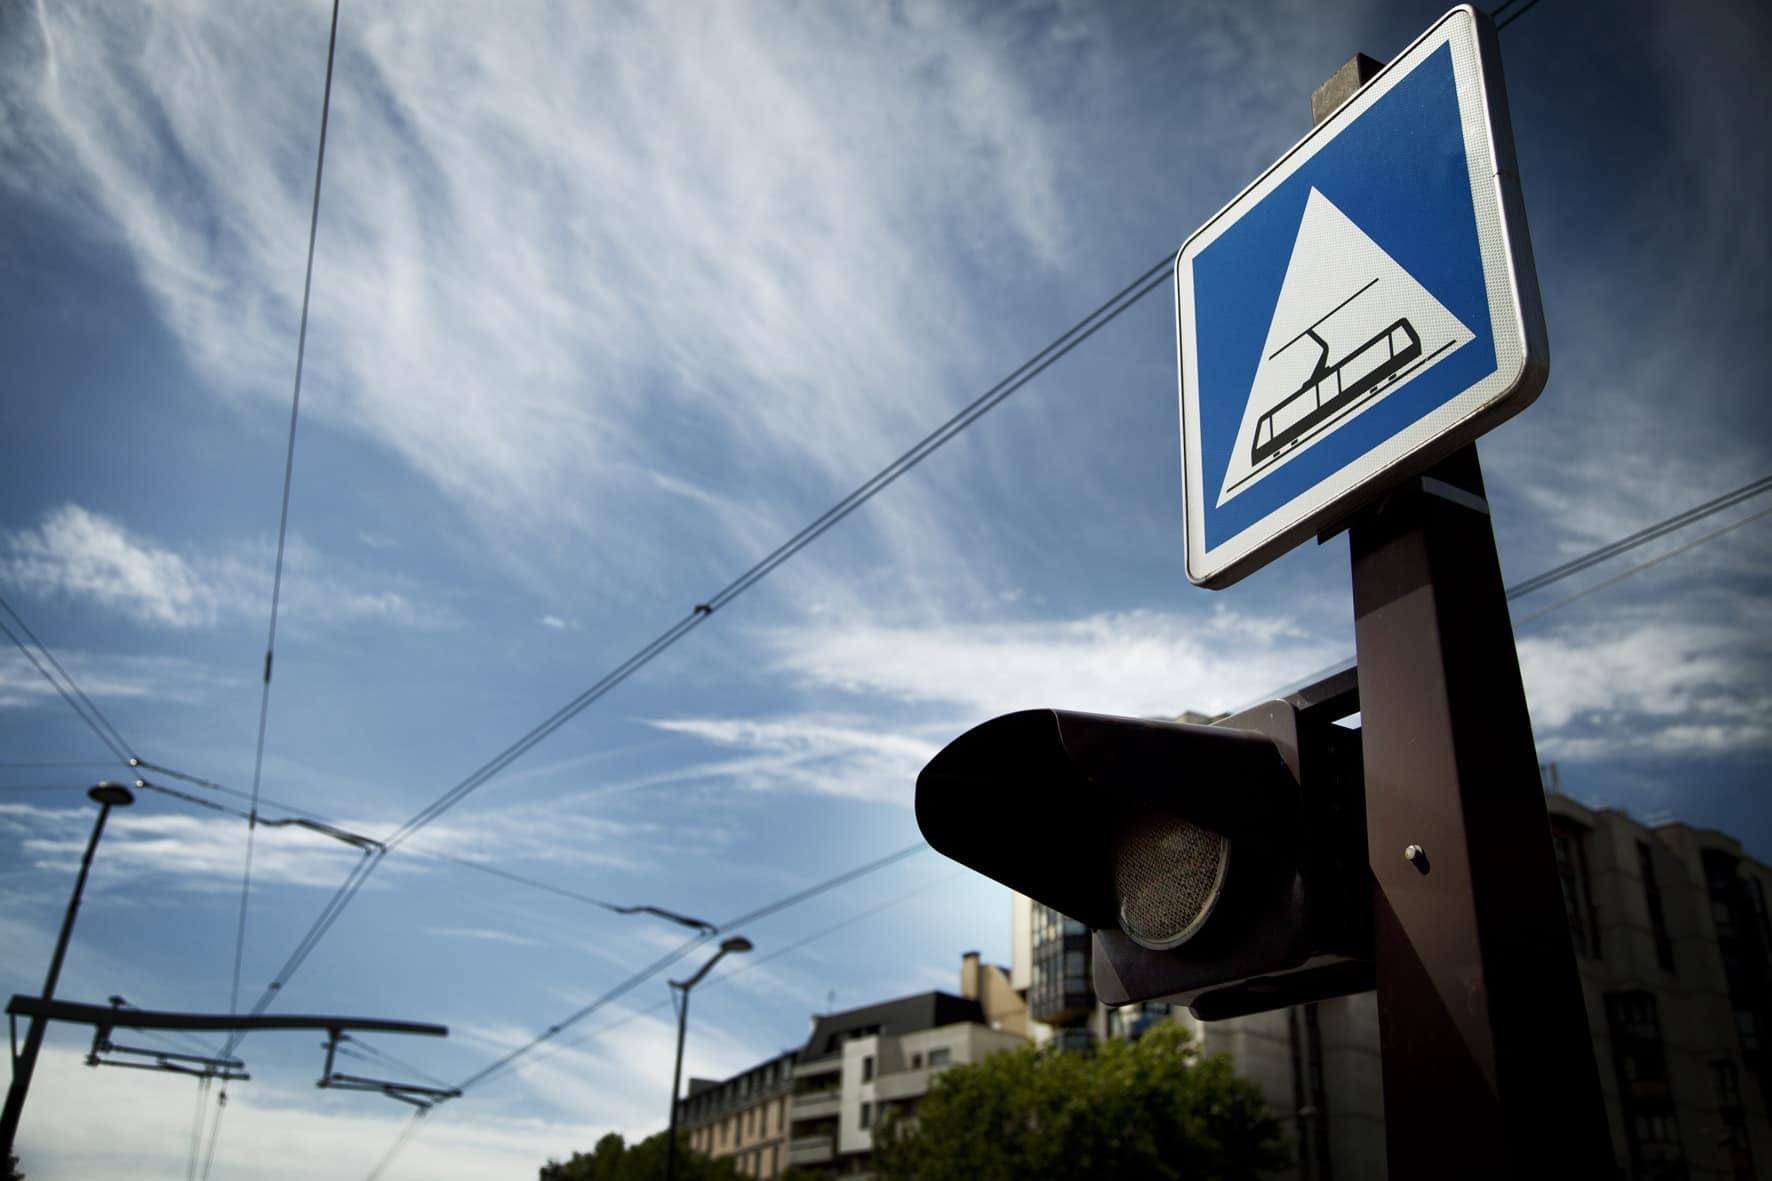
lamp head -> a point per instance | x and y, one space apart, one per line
735 943
113 794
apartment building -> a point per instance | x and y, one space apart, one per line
745 1117
1673 938
1674 944
816 1107
863 1064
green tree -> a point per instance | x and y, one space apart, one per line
1135 1111
613 1159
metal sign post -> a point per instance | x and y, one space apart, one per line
1488 1062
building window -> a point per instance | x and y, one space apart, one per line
1664 946
940 1056
917 1060
867 1115
1059 991
867 1069
1651 1130
1569 841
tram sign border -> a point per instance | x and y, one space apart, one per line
1414 181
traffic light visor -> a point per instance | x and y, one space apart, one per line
1120 823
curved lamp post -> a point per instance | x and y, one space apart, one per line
737 943
106 796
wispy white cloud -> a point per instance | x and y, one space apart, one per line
280 1128
106 677
847 756
484 935
83 555
513 306
1145 663
79 554
921 685
1631 681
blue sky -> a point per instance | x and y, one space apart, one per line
610 300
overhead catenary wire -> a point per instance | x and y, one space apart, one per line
301 346
1576 565
314 822
1657 560
1641 537
672 956
69 690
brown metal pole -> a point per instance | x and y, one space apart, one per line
24 1065
1489 1066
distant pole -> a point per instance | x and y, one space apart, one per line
676 1081
24 1063
736 943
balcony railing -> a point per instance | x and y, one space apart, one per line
811 1150
817 1104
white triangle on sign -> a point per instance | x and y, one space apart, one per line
1350 328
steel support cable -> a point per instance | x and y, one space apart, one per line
685 948
541 730
1657 560
203 1083
354 1046
431 854
301 348
400 1142
619 990
738 968
70 764
221 1107
1103 315
822 887
1642 536
1591 558
71 693
328 916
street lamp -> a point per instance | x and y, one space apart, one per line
736 943
106 796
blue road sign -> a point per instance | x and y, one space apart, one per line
1363 309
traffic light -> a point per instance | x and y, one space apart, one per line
1220 866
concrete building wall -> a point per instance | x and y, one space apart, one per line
744 1118
1004 1008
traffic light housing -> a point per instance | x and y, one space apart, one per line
1220 866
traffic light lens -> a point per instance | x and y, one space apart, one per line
1169 875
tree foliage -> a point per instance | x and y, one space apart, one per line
1150 1109
613 1159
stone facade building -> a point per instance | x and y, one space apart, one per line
745 1117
